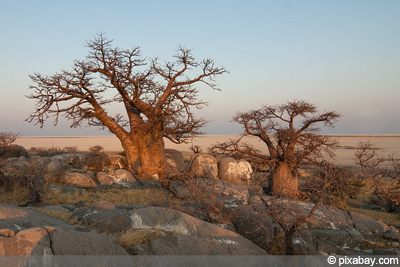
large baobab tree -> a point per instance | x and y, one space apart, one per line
289 142
158 99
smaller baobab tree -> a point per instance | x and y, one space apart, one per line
289 142
156 99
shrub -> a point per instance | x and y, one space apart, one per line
7 138
12 151
334 184
212 206
23 186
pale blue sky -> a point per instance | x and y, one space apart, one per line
342 55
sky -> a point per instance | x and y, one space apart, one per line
341 55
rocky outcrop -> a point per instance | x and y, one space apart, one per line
193 230
203 165
193 245
115 176
332 231
204 238
82 179
175 161
32 233
235 171
105 220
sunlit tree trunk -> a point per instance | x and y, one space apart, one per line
283 180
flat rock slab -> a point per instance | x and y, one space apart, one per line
180 223
192 245
17 219
26 231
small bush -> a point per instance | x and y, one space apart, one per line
24 186
334 184
7 138
12 151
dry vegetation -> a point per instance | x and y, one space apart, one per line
140 236
65 216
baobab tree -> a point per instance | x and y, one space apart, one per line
158 99
289 142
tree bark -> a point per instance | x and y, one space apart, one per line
151 155
283 180
145 154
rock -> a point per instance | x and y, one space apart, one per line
256 227
235 172
329 218
385 239
79 179
183 224
324 218
28 232
203 165
58 241
337 238
17 219
55 167
33 241
193 245
145 183
115 176
104 219
67 242
6 233
366 225
70 159
105 205
103 178
111 167
386 252
301 246
177 157
171 168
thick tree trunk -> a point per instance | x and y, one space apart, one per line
284 183
152 156
145 155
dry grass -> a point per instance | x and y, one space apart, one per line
65 216
15 196
116 196
140 236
